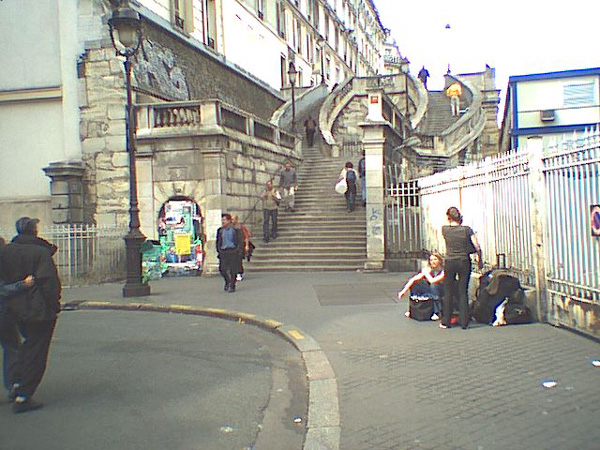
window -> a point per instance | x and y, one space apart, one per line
182 15
299 37
260 9
284 69
578 94
281 20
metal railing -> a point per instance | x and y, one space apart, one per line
534 207
87 254
402 216
572 182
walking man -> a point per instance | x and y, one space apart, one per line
310 126
270 199
288 183
423 75
29 317
230 243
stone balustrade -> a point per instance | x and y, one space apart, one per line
177 118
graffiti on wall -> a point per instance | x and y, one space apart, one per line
156 69
374 227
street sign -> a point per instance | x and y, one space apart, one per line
595 220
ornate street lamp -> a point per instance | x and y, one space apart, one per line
126 37
292 72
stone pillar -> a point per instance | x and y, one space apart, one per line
374 144
215 203
66 190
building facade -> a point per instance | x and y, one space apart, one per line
326 39
550 105
62 94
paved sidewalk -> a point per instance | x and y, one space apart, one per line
403 384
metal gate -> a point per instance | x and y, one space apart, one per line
402 216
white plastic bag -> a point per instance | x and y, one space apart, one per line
341 186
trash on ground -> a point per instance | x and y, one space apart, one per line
226 429
297 419
549 383
595 362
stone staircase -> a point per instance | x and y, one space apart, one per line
439 115
320 235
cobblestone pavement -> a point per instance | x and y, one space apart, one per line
404 384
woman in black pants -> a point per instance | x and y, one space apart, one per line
460 243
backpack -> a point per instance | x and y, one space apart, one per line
350 177
515 313
494 287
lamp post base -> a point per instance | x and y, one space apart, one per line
133 245
136 290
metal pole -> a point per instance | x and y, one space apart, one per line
134 238
322 65
293 109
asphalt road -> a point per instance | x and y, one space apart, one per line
143 380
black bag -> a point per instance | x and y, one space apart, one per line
489 295
515 313
420 308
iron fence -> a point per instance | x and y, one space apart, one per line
534 208
402 216
87 254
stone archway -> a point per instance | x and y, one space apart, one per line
180 227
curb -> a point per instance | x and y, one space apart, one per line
323 428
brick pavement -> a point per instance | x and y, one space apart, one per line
404 384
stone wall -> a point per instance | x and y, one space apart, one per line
222 171
197 73
167 67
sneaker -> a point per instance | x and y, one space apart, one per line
239 277
25 406
443 327
407 314
231 289
435 317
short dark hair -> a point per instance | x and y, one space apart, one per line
454 214
349 165
26 225
226 216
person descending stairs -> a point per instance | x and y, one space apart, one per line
320 235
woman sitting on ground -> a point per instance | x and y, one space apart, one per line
432 277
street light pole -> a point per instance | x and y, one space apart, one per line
321 44
292 75
126 23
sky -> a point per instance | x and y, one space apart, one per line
516 37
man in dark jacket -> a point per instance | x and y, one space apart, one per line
29 317
230 245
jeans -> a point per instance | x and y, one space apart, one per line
230 262
269 215
350 197
289 197
363 193
456 288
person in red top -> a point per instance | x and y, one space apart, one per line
247 250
